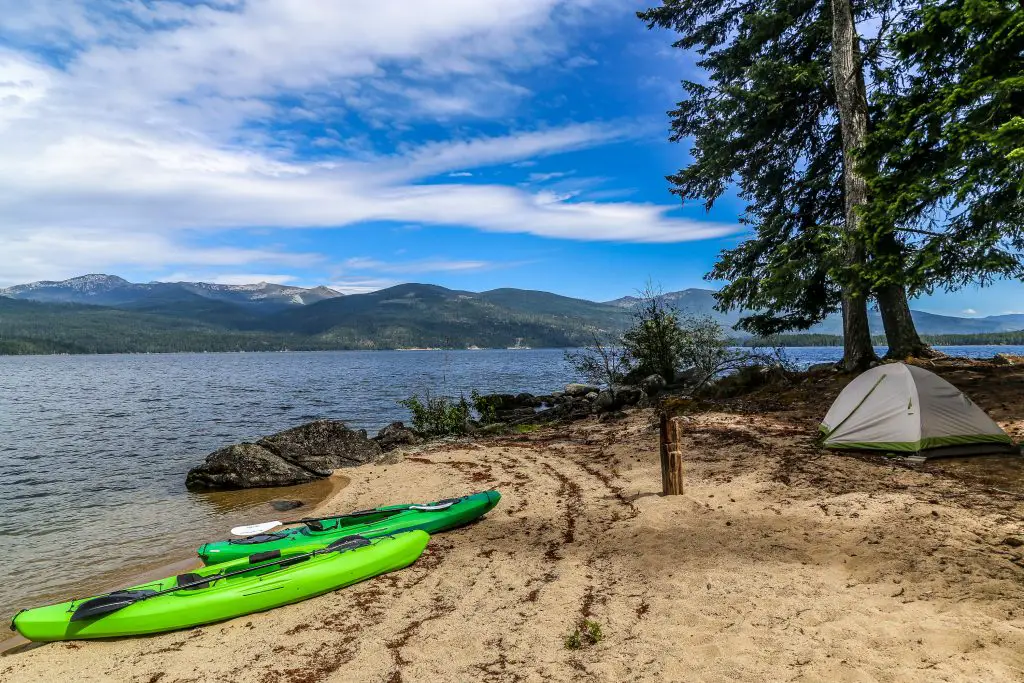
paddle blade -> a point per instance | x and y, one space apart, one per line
106 604
253 529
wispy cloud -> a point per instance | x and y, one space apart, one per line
580 61
360 285
229 278
422 266
542 177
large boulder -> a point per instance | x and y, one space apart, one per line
605 401
295 456
396 435
580 389
527 400
628 396
323 446
245 466
609 400
653 384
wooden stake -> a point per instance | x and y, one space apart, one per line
671 456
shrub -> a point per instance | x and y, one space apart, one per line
438 415
485 406
603 361
654 342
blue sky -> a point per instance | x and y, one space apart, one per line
356 144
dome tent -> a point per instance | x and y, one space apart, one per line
906 409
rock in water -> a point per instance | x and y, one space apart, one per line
323 446
295 456
245 466
394 435
285 505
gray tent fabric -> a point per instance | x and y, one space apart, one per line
904 408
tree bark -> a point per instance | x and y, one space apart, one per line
851 97
900 330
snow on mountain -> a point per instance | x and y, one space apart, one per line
110 290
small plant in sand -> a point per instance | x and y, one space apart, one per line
526 428
586 633
438 415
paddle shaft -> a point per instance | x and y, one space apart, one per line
441 504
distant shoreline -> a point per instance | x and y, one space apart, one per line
738 343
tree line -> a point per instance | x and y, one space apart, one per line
878 146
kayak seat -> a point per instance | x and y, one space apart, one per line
258 538
189 578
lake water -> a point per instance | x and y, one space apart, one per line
94 449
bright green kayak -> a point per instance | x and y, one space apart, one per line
433 517
222 592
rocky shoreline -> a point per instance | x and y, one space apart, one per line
316 449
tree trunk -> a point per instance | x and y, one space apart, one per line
851 97
900 331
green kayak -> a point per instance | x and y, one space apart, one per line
231 589
433 517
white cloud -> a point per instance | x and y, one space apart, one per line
421 266
580 61
163 124
360 285
542 177
460 174
251 278
969 311
228 278
56 254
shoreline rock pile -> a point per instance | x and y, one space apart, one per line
313 451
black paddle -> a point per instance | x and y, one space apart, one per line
106 604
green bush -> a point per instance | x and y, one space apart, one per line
484 407
438 415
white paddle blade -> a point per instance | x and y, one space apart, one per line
430 508
253 529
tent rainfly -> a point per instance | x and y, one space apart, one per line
906 409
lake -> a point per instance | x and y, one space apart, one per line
94 449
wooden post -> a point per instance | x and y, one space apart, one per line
671 456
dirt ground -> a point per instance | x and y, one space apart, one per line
781 562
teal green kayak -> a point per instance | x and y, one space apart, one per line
228 590
433 517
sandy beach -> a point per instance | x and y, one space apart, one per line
781 562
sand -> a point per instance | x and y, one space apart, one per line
780 562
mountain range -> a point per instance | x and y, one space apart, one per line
105 313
